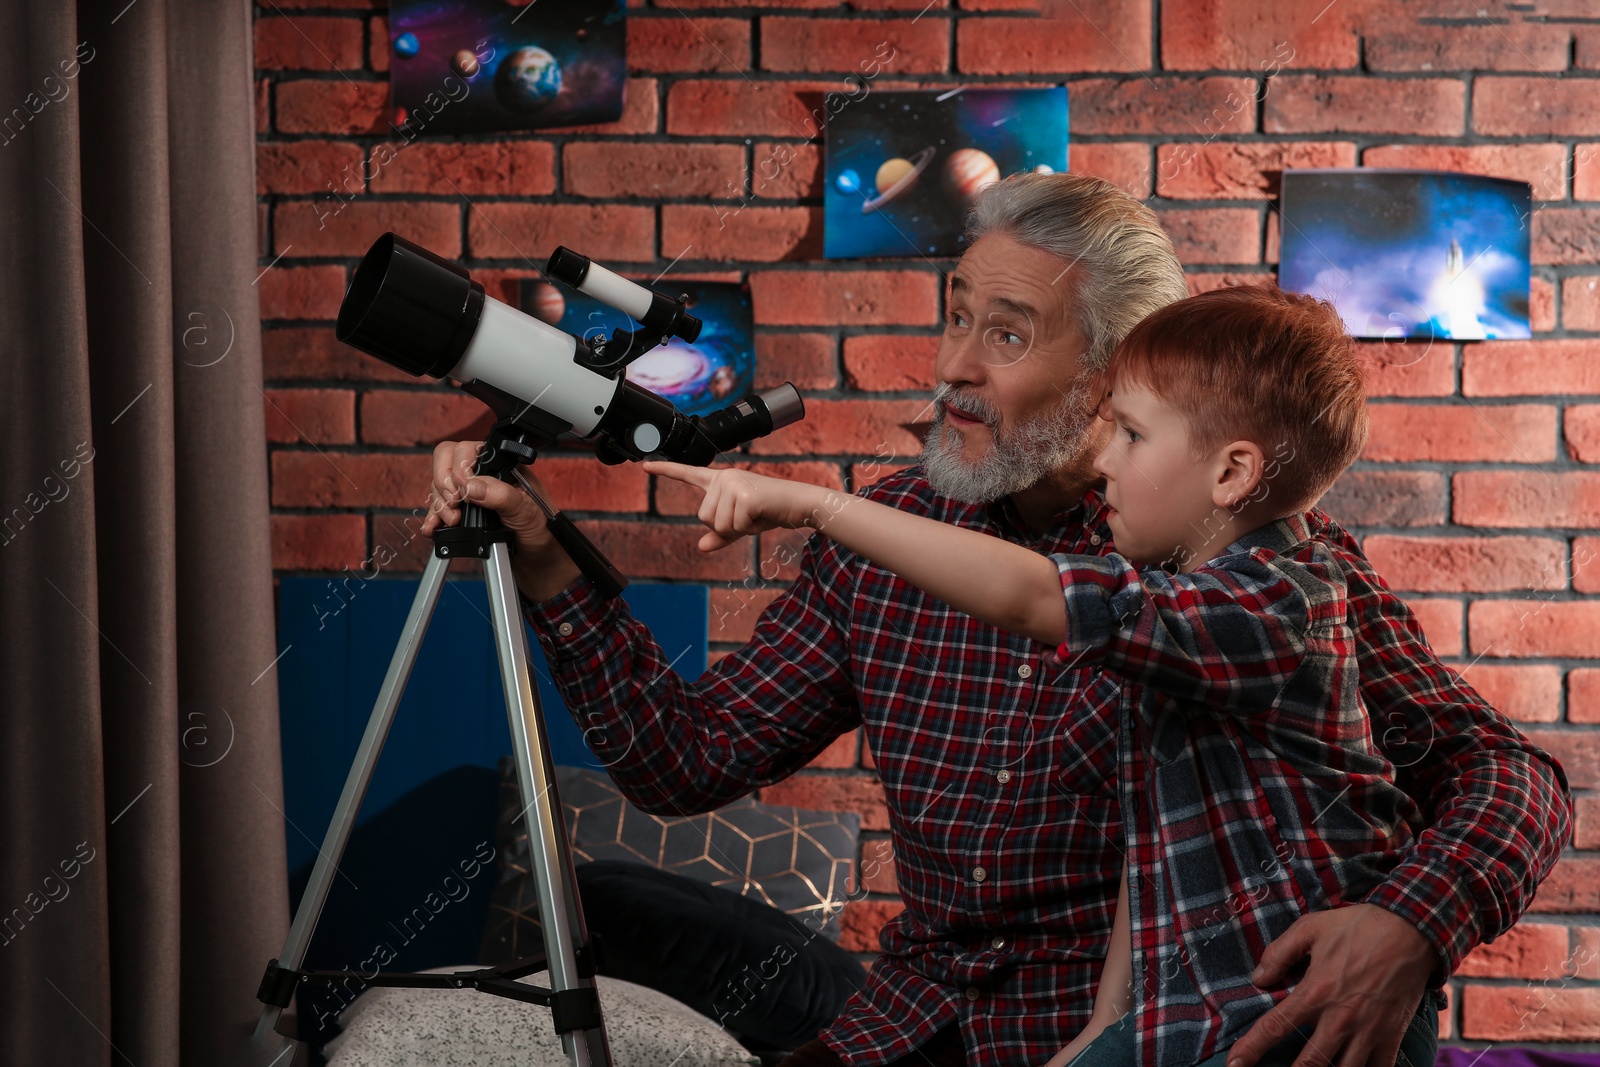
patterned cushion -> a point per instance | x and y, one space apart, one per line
795 860
466 1028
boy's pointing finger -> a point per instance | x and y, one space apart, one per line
697 476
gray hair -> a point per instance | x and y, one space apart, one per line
1124 265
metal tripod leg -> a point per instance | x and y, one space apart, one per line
560 910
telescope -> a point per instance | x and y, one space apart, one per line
425 315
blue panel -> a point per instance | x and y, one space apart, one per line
337 638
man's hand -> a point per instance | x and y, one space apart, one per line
542 567
1368 971
738 503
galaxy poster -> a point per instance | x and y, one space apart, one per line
471 66
902 167
1407 253
699 378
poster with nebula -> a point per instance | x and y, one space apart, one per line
470 66
717 369
902 167
1410 253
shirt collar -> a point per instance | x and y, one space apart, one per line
1277 536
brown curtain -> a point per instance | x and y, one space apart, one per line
142 862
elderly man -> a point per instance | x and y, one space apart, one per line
999 771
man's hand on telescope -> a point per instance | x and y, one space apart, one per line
738 503
542 567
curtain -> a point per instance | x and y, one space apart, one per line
142 884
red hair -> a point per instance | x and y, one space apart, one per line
1256 363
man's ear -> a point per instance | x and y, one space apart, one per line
1237 474
1099 390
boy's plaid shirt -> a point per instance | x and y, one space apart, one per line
1000 774
1252 788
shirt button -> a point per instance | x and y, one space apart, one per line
972 992
1002 777
1095 539
979 874
998 942
1024 671
565 629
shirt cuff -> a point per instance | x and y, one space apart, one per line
1439 905
1101 593
574 622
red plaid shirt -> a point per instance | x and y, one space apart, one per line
1000 774
1252 789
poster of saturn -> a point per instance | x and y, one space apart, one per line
902 167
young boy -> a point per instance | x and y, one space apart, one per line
1256 792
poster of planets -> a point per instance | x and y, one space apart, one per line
469 66
1410 253
699 378
902 167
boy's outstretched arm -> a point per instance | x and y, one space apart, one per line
1003 584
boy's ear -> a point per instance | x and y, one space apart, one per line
1239 470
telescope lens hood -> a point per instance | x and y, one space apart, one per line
410 308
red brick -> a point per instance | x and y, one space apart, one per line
1101 35
308 42
1440 620
1205 283
1583 696
1586 172
1574 886
1527 498
1422 368
311 416
378 43
1585 568
610 233
1214 235
1580 302
657 550
1251 171
1406 45
883 362
1124 164
1511 433
744 108
865 474
308 167
1203 106
1527 950
414 417
672 44
338 106
1535 107
1543 1012
1541 165
749 234
849 427
318 542
314 353
263 105
1582 424
1254 35
581 484
864 47
493 168
301 292
779 552
1386 498
861 922
1531 368
786 171
1541 305
1586 953
802 359
1539 627
1586 835
641 113
846 298
653 171
1525 693
877 867
329 479
861 793
1312 103
334 228
1566 235
1468 564
675 498
840 753
734 612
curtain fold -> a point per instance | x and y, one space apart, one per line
142 882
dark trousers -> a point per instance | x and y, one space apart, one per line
941 1050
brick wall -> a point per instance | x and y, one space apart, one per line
1479 496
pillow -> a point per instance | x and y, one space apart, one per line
389 1027
796 860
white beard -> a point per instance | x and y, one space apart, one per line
1017 458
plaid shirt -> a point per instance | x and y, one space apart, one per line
1252 789
1000 774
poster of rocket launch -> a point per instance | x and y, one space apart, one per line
1407 253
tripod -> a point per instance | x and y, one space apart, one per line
568 955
